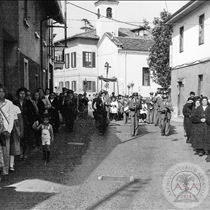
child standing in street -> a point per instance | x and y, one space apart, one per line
47 136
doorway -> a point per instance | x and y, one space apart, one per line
180 97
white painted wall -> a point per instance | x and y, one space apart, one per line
107 52
104 25
80 73
131 66
192 50
126 66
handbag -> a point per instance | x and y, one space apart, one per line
126 109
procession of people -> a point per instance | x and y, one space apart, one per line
32 120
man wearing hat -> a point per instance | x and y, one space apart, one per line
157 102
187 112
150 108
165 114
134 107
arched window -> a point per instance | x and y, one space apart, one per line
98 13
109 12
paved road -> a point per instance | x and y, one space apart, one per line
70 180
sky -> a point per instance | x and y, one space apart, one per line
128 11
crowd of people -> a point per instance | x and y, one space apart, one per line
155 109
31 120
196 113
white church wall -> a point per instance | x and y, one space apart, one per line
107 52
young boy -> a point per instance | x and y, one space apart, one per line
47 136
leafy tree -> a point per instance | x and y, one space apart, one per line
159 53
88 26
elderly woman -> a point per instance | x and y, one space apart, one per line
201 119
187 112
6 126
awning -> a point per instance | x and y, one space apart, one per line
114 79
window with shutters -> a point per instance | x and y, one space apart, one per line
146 77
67 85
60 86
181 39
201 29
74 85
89 59
67 60
73 60
89 86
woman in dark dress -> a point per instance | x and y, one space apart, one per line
193 130
187 112
41 109
201 120
29 115
54 112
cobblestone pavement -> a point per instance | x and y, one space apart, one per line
71 179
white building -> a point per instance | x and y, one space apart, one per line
125 52
80 63
189 54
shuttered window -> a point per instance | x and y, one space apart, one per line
67 60
146 77
60 86
89 86
89 59
74 85
67 85
73 60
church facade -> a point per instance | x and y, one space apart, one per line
119 56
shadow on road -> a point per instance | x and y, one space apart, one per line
172 130
10 199
127 191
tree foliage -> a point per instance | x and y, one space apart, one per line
159 53
88 26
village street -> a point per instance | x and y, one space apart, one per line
70 180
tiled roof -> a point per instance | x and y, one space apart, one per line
123 32
87 34
130 43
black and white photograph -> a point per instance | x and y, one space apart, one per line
104 105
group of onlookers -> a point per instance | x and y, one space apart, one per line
196 113
30 120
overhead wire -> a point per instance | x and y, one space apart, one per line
119 21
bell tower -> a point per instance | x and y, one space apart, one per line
107 11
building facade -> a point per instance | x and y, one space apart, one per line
26 37
79 71
120 55
189 53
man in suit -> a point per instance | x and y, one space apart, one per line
165 114
157 102
134 107
150 108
